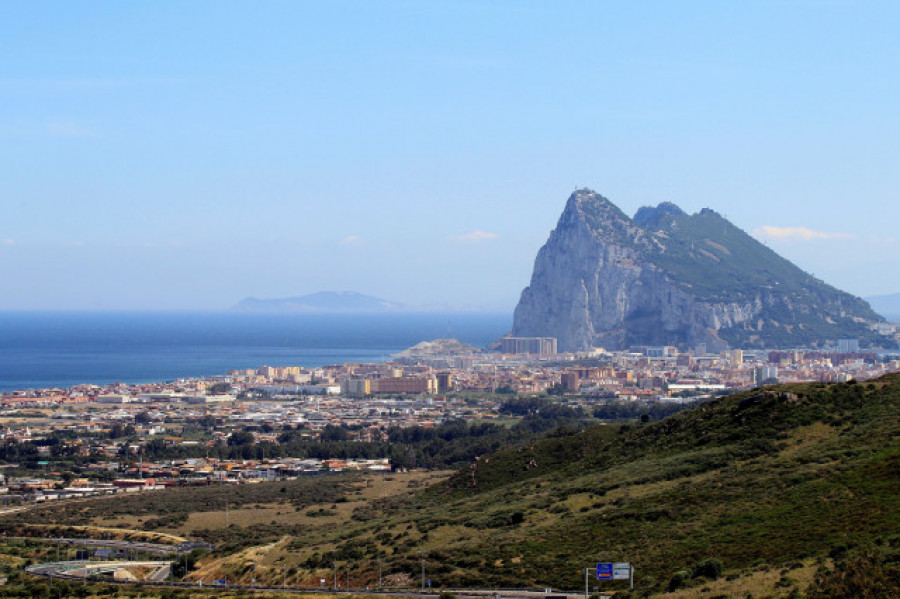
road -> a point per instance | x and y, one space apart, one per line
81 570
125 546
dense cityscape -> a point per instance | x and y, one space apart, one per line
92 439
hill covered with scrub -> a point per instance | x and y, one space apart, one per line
786 478
791 489
770 477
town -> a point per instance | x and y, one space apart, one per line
233 428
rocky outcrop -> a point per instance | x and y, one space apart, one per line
667 278
438 347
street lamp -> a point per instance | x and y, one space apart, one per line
422 559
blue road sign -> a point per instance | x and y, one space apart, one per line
605 571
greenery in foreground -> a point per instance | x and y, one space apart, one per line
778 480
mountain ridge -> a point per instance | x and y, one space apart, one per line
603 279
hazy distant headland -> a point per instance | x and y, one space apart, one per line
342 302
330 302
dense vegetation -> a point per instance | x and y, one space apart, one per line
450 444
719 262
726 480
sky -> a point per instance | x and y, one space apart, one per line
185 155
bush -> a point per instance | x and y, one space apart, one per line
709 568
679 580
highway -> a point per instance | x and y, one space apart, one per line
125 546
87 571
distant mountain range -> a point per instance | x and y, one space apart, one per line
669 278
325 302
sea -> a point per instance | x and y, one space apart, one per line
40 350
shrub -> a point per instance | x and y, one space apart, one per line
710 568
679 580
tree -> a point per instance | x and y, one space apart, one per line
334 433
555 389
207 422
219 389
155 449
240 438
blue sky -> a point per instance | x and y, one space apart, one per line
173 155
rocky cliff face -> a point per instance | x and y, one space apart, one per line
667 278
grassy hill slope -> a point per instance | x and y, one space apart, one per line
794 487
767 477
781 479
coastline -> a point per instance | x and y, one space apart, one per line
42 350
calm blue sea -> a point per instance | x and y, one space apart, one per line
61 349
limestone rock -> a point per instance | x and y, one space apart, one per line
668 278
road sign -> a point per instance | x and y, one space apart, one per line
605 571
621 571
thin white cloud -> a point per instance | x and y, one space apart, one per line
8 242
475 237
798 234
351 240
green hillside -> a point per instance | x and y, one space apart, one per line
793 482
766 478
718 262
773 491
